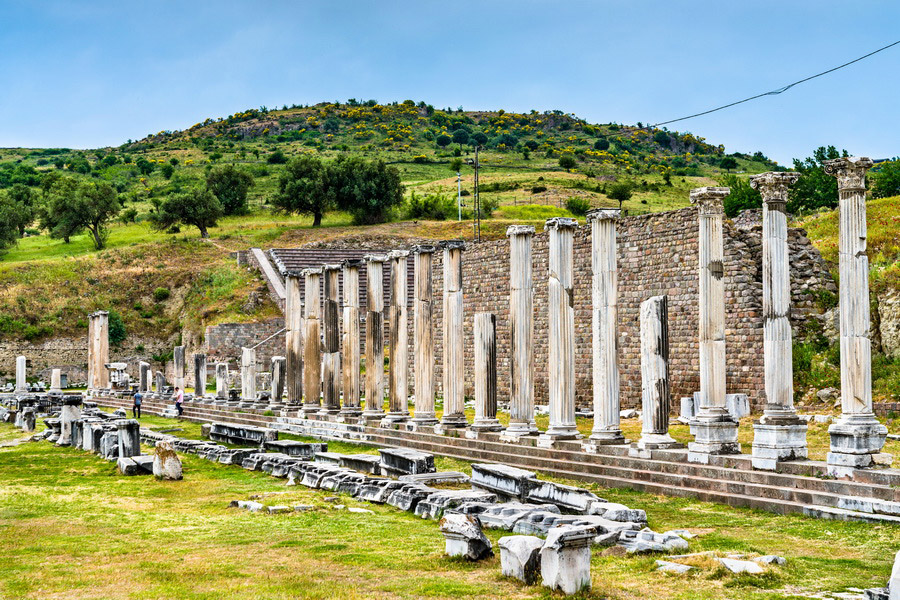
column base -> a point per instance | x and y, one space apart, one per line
605 437
486 425
715 432
556 434
329 410
349 414
855 440
371 415
394 418
778 436
657 441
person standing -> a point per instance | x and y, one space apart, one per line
136 407
179 400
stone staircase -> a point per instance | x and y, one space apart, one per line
802 487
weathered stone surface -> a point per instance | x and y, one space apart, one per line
305 450
129 432
378 490
740 566
505 516
647 540
618 512
403 461
408 496
566 559
166 464
672 567
433 506
504 480
894 582
144 463
520 557
770 559
565 496
440 477
127 466
366 463
464 537
241 434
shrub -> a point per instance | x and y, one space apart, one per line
117 332
128 215
434 207
578 206
538 189
420 159
161 294
276 158
567 161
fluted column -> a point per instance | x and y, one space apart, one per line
312 342
199 375
278 378
423 309
655 397
454 374
221 382
248 376
857 434
98 350
561 365
605 326
145 374
331 353
178 367
398 343
56 381
779 434
21 375
160 383
350 340
485 326
714 429
374 335
293 337
521 326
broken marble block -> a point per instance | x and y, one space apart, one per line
166 464
129 431
436 478
647 540
567 497
144 463
738 405
403 461
505 516
433 506
672 567
464 537
377 490
618 512
566 559
364 463
306 450
109 445
316 473
503 480
740 566
128 466
520 557
407 497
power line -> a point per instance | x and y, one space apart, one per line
779 90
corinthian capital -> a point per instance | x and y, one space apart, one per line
709 200
850 171
773 186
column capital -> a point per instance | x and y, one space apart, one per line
773 186
423 249
294 273
331 267
397 254
453 245
311 271
99 313
560 223
351 263
709 199
375 258
519 230
850 171
603 214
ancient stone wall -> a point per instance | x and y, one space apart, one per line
224 343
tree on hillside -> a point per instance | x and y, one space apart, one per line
814 189
21 198
742 196
456 164
197 207
567 161
277 158
302 189
230 186
886 179
9 232
479 138
52 213
461 137
620 192
443 140
601 144
728 163
368 190
71 206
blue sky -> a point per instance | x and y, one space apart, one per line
88 73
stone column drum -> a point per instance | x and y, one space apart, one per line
454 375
278 377
248 376
129 437
486 373
56 381
561 334
655 397
199 375
398 342
857 435
423 315
144 377
221 382
178 362
521 327
312 343
160 383
374 336
293 337
21 375
331 351
98 350
714 430
350 340
779 434
605 327
69 413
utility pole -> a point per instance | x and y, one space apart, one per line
477 221
459 195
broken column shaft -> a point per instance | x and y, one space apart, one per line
454 374
293 337
312 344
331 351
398 346
486 373
350 340
374 335
655 396
423 314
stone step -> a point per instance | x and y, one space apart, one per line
842 514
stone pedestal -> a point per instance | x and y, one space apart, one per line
293 336
423 315
69 412
160 384
566 559
857 435
221 382
55 382
312 343
714 429
454 367
350 339
486 373
248 377
199 376
178 363
398 343
331 347
374 336
145 374
98 351
655 397
521 325
129 437
21 375
777 440
278 377
561 366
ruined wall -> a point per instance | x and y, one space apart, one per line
224 343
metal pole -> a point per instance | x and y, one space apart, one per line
459 195
477 222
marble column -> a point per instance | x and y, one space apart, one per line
486 373
55 381
350 338
714 430
248 376
278 377
221 382
178 363
331 349
199 375
144 376
21 375
312 342
605 326
561 330
423 310
293 336
779 434
374 335
98 350
160 384
655 397
521 326
398 342
857 435
454 367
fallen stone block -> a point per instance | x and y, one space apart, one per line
877 594
647 540
303 508
503 480
254 461
127 466
377 490
505 516
438 478
408 496
166 464
463 537
617 512
738 405
520 557
672 567
277 510
566 559
364 463
433 506
403 461
144 462
740 566
361 511
770 559
241 434
294 448
331 458
566 497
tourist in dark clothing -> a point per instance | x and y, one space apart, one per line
136 407
179 399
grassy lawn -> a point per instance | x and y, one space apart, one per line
71 527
